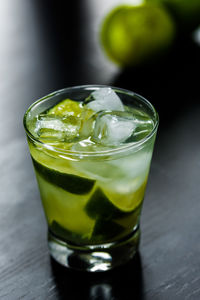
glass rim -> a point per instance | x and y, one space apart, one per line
118 149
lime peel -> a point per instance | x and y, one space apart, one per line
69 182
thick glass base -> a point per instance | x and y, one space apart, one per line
94 258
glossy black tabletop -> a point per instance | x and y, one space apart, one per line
48 45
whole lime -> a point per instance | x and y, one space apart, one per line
134 35
185 12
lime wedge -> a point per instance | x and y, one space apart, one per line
69 182
126 202
105 231
112 220
100 206
130 220
108 205
66 107
67 235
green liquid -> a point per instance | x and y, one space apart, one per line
90 201
89 217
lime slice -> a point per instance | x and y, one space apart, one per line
69 182
66 107
130 220
105 231
74 125
127 202
100 206
67 235
65 208
133 35
113 220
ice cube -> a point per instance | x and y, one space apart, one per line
132 172
105 99
134 166
113 128
95 169
53 128
144 124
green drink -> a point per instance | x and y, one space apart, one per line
91 148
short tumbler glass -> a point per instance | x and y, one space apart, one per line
92 200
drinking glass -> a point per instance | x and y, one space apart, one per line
92 199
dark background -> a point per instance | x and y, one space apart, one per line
48 45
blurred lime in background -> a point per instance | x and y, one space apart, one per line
134 35
186 13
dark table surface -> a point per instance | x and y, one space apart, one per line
48 45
